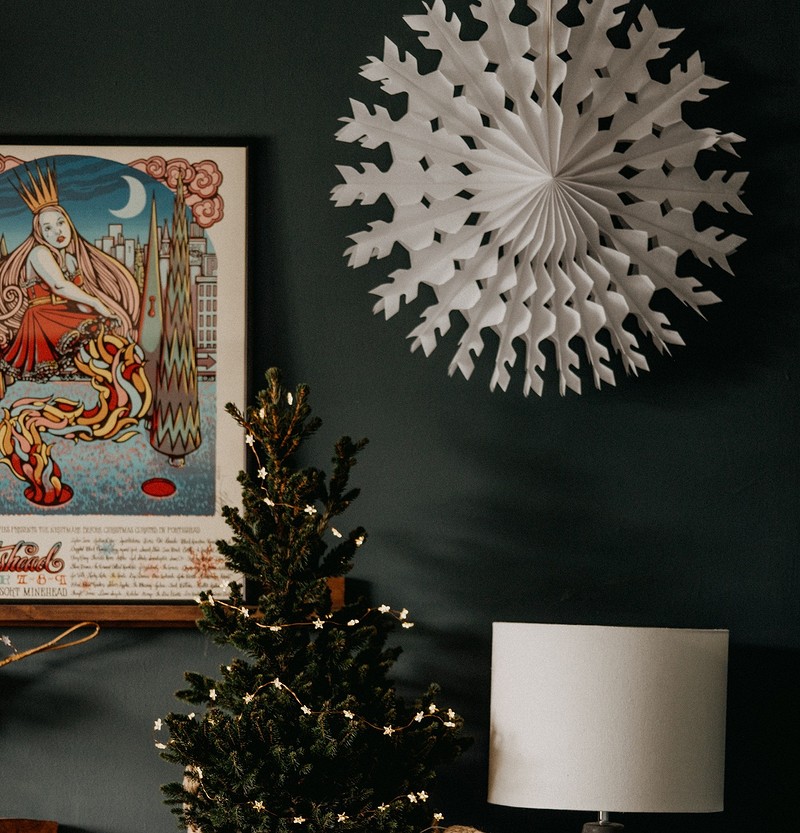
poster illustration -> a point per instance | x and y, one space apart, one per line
122 297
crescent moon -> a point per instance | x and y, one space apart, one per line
136 200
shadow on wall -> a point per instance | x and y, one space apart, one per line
763 767
27 698
474 564
25 702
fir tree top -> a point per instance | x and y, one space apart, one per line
283 539
303 730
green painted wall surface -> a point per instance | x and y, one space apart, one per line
670 500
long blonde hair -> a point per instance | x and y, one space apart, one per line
103 276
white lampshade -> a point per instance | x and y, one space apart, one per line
608 718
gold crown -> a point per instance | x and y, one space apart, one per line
43 190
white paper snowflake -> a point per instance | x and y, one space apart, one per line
542 183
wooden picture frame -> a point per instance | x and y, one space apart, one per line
122 615
117 517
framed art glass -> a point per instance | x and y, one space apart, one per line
122 302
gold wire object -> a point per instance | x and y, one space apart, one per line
55 644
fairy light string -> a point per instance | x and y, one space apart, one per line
317 623
432 712
274 503
446 717
195 783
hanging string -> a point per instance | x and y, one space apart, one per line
55 644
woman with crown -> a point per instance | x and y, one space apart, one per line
60 290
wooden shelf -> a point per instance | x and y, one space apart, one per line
154 615
113 615
27 826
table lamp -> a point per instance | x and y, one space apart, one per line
607 719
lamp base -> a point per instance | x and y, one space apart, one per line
602 827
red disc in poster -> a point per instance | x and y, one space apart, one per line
158 487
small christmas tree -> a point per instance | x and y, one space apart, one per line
303 731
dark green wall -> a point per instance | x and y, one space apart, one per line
670 500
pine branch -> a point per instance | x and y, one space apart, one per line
303 730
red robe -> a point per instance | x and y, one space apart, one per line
51 332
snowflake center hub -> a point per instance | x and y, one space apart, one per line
547 181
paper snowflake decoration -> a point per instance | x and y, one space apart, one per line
543 185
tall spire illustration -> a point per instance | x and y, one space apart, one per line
175 429
151 316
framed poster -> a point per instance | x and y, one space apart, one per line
122 302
